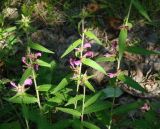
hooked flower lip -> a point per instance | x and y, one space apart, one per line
87 45
28 82
112 75
74 62
89 54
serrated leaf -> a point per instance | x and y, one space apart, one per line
141 51
89 85
25 75
89 125
105 59
44 87
141 9
96 107
43 63
69 111
93 99
61 85
112 92
91 35
74 99
130 82
72 47
23 98
122 42
39 47
93 64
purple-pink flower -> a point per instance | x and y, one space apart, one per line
89 54
21 88
33 57
87 45
74 62
112 75
38 54
28 82
145 107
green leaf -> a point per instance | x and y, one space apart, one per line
96 107
123 109
56 100
44 87
141 9
89 85
90 35
89 125
10 29
69 111
93 99
105 59
61 85
130 82
72 47
74 99
43 63
11 125
122 42
93 64
62 124
23 98
141 51
39 47
25 75
112 92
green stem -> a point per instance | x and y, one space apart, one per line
34 78
80 67
111 114
129 11
84 95
37 92
25 111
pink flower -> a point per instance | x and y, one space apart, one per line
87 45
28 82
145 107
33 57
38 54
112 75
89 54
13 84
24 60
74 62
21 88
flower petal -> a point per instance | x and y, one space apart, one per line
77 62
112 75
28 82
38 54
24 60
13 84
89 54
87 45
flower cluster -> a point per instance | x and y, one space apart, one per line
33 58
21 88
76 62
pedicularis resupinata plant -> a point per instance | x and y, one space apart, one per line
75 102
